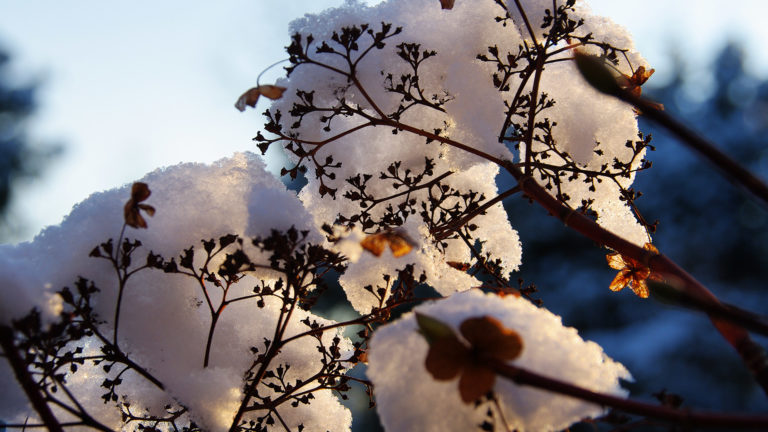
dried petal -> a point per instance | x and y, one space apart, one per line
374 244
490 338
446 358
251 97
651 248
640 287
147 208
132 216
475 382
140 192
615 261
398 242
447 4
621 280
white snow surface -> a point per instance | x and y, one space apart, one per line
409 399
473 116
163 324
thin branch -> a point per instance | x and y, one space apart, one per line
732 170
751 353
680 417
445 230
25 379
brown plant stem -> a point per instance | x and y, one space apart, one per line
734 172
680 417
752 354
25 379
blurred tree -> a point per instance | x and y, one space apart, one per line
711 228
18 157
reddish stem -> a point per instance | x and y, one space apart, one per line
681 417
751 353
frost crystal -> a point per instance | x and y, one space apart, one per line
409 399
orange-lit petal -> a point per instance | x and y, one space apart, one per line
651 248
374 243
621 280
641 76
615 261
446 358
475 382
641 273
399 244
640 288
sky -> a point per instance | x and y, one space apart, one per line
128 87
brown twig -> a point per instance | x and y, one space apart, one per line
734 172
680 417
751 353
25 379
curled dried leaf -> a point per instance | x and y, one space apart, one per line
132 210
251 97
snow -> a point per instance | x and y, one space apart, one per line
409 399
162 324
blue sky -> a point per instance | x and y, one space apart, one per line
127 87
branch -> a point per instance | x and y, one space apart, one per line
683 417
751 353
25 379
596 73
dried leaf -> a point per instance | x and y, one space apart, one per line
447 4
251 97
